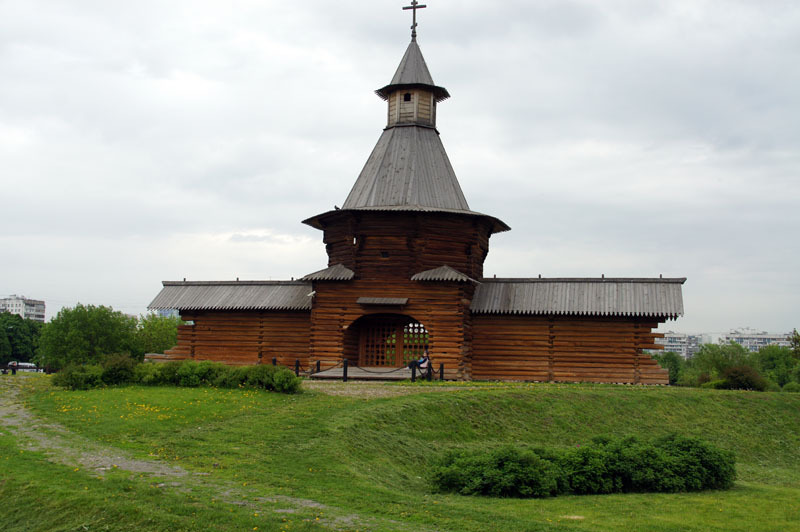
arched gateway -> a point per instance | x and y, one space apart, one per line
405 249
391 340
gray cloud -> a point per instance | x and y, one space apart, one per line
150 141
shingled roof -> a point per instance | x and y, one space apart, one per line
408 166
233 295
413 72
337 272
591 297
442 273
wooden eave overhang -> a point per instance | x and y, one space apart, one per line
337 272
439 93
631 297
321 221
443 273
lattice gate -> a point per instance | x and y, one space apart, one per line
391 341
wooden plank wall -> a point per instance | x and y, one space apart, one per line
569 349
441 307
413 242
244 338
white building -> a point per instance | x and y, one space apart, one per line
31 309
753 340
685 345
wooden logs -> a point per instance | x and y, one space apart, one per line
244 338
566 349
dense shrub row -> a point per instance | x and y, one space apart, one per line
732 367
670 464
121 369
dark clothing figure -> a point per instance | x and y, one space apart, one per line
423 365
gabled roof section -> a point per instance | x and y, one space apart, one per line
413 72
233 295
408 166
659 298
442 273
337 272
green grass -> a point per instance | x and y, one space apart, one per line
365 458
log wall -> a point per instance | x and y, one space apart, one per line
568 349
395 246
244 338
443 308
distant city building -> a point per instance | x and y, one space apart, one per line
685 345
31 309
753 340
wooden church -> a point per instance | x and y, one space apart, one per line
405 272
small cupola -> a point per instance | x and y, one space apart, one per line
412 95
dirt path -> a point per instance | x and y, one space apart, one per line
62 446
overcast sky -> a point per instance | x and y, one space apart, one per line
148 141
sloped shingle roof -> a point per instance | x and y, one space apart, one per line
442 273
594 297
337 272
413 71
233 295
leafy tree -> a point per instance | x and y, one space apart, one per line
671 361
85 334
776 363
795 343
18 338
157 333
713 359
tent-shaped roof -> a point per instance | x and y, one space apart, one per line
413 72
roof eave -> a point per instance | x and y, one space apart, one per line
319 221
440 93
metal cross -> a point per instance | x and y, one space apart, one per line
414 6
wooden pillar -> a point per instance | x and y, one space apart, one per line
551 339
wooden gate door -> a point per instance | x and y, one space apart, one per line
391 341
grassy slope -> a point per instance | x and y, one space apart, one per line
368 456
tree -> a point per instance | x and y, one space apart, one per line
671 361
794 340
157 333
776 363
713 359
85 334
18 338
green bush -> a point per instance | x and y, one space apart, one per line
118 368
791 387
121 369
168 372
743 378
671 464
147 373
286 381
261 376
79 377
505 472
231 377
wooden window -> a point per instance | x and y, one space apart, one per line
384 254
391 340
407 97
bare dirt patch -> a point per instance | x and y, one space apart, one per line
374 389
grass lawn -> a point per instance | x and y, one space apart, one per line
316 461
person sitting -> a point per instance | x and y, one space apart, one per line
423 364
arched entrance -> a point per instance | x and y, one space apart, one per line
391 340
